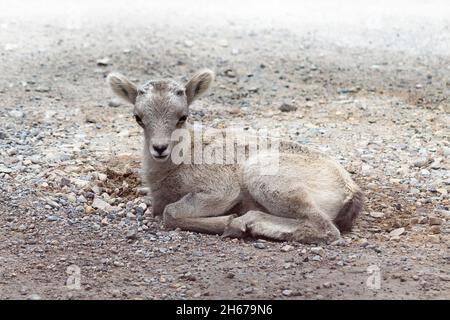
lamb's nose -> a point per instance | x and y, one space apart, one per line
160 148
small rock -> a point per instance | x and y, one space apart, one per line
287 293
115 103
90 119
435 230
397 232
421 162
377 214
327 285
339 242
287 248
287 107
365 170
79 183
34 296
4 169
101 204
443 277
102 177
422 220
88 209
103 62
118 263
434 221
317 250
425 173
131 234
259 245
189 43
42 89
364 243
16 114
248 290
253 89
230 73
223 43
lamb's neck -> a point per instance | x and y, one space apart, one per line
156 171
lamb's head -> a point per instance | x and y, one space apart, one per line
161 106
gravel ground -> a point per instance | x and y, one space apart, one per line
367 84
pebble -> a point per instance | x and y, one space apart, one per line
366 170
420 162
287 107
131 234
230 73
287 248
259 245
115 103
223 43
103 62
88 209
377 214
434 221
102 177
189 43
397 232
435 229
339 242
287 293
16 114
4 169
425 173
34 296
100 204
422 220
317 250
248 290
118 263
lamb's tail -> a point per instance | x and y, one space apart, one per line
351 209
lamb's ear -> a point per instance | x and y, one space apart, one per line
199 83
122 87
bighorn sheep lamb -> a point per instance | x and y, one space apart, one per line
311 198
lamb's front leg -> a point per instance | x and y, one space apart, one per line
201 212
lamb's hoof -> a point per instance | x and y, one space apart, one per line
234 230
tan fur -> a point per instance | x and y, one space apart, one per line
307 200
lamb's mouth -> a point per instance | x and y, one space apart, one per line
161 157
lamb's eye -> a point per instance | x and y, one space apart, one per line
139 120
182 119
180 92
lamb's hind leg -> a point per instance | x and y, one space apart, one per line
260 224
292 214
